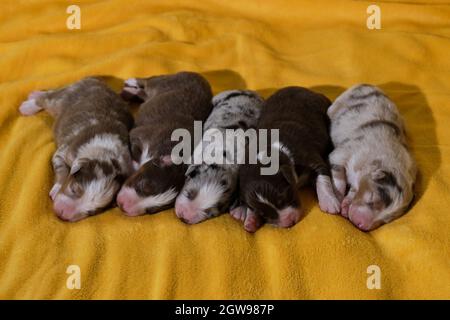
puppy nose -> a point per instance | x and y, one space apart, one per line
362 219
63 211
185 214
124 202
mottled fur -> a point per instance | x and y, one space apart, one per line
92 157
209 188
371 164
170 102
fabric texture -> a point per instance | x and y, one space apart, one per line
258 45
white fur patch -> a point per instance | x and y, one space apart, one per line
265 201
97 194
328 201
95 147
132 82
208 196
145 156
140 204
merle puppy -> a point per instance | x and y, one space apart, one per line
211 185
372 167
170 102
300 115
91 132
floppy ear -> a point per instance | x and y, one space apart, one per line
76 165
289 174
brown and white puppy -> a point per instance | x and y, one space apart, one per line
300 116
371 165
92 157
170 102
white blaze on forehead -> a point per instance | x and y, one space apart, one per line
158 200
96 146
98 193
265 201
145 155
208 196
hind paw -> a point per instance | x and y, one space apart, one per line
29 107
239 213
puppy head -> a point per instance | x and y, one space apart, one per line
207 193
379 197
90 187
152 188
274 198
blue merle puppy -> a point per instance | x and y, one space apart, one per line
211 186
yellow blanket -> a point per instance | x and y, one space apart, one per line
262 45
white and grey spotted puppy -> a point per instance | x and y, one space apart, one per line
209 188
372 168
92 157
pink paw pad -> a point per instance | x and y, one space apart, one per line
238 213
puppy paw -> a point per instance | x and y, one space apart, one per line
54 190
329 204
328 201
29 107
239 213
252 222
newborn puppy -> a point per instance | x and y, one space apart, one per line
171 102
300 116
209 187
371 157
92 157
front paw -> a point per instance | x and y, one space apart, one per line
252 222
328 201
329 204
239 213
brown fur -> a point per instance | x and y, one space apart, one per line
171 102
300 116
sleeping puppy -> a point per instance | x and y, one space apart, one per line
371 157
92 157
170 102
210 186
300 116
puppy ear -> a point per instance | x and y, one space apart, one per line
289 174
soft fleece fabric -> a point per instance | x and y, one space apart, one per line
260 45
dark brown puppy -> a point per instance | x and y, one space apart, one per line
171 102
300 115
